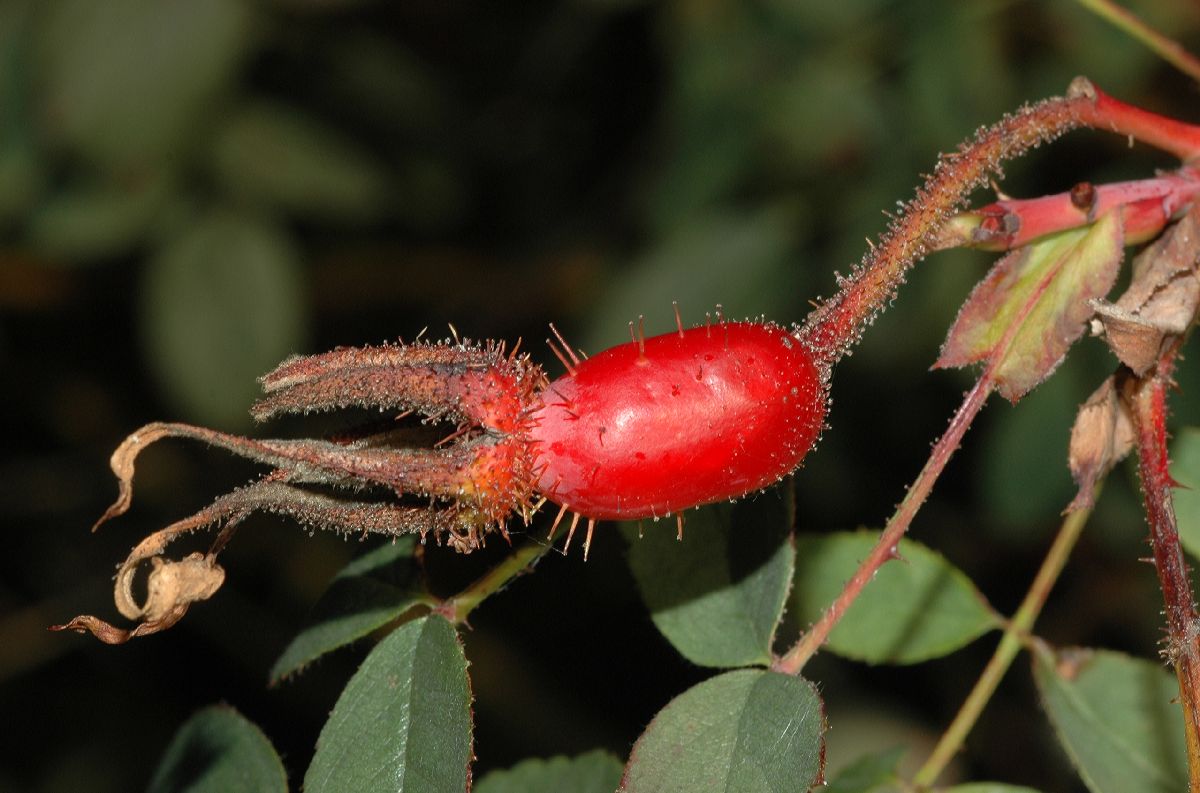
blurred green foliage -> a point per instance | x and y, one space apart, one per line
191 191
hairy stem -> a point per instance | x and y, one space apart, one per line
1006 651
834 327
886 548
1166 48
1147 400
519 562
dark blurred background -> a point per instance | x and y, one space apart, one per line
190 191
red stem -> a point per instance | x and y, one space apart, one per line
1174 137
833 328
886 547
1147 205
1147 401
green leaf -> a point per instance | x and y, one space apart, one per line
1033 305
403 722
1185 469
221 304
128 83
594 772
1117 718
918 608
272 155
989 787
746 731
826 105
90 221
219 751
23 174
718 595
368 593
867 774
1019 490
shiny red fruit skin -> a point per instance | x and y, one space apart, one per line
701 415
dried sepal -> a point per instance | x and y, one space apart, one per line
483 467
172 586
1101 437
1136 341
1162 299
458 490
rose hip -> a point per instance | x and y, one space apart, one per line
649 428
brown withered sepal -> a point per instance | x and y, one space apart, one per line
460 490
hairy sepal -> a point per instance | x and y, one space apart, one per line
459 382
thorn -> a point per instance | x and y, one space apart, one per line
571 531
678 319
641 529
679 526
557 520
587 540
563 342
417 340
720 314
561 357
513 353
458 433
454 333
641 336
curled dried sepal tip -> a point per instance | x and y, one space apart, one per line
171 588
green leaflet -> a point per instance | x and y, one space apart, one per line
403 722
221 304
747 731
718 595
915 609
275 156
219 751
594 772
1185 469
873 773
1117 719
368 593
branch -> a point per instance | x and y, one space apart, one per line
1147 402
885 549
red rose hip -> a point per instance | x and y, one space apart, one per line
646 429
